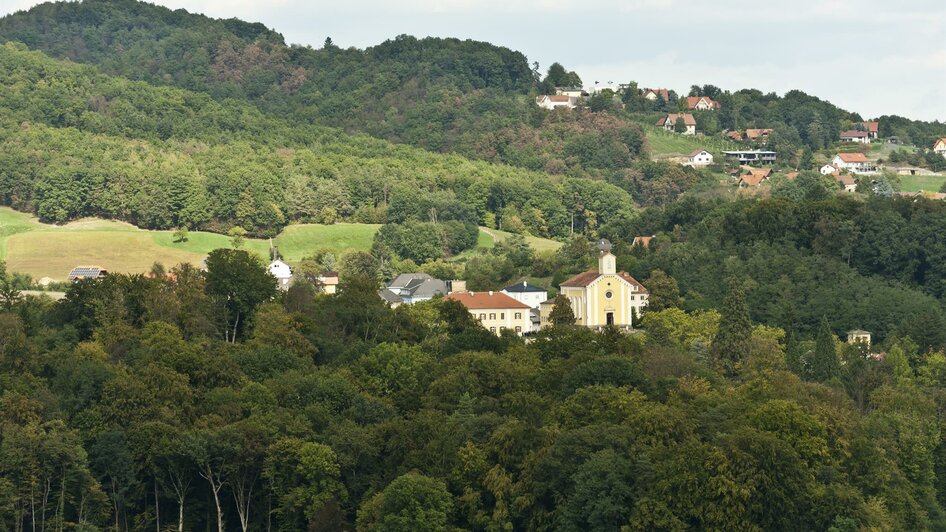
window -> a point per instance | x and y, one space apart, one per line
502 315
609 294
518 316
492 315
492 329
518 329
482 317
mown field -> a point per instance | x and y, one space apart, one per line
918 183
43 250
665 144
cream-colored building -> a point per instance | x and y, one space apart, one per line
604 296
496 311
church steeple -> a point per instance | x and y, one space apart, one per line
607 263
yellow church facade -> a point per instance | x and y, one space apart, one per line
604 296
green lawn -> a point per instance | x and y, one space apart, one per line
666 144
917 183
44 250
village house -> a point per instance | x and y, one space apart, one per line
855 135
527 293
702 103
603 296
552 102
642 241
282 272
571 92
828 169
751 157
872 129
653 94
755 177
496 311
81 273
940 146
758 136
410 288
669 122
856 163
328 282
847 182
858 336
700 157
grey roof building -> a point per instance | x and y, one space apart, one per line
408 288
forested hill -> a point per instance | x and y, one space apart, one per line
76 143
444 95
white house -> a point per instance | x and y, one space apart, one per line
571 92
653 94
282 272
940 146
828 169
856 163
550 102
526 293
702 103
854 135
700 158
669 122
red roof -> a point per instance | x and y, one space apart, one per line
872 127
553 98
693 101
846 179
939 141
586 278
857 157
486 300
643 241
753 134
735 135
663 93
672 117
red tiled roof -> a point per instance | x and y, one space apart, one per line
735 135
853 157
672 117
845 179
693 101
756 133
663 93
486 300
644 241
553 98
872 127
586 278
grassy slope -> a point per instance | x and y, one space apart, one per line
917 183
665 144
43 250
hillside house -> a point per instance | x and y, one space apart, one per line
872 129
552 102
702 103
855 163
854 135
571 92
328 282
496 311
282 272
527 293
82 273
858 336
847 182
642 241
940 146
653 94
700 157
755 177
603 296
828 169
410 288
757 136
669 122
751 157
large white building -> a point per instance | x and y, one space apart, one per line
282 272
526 293
856 163
550 102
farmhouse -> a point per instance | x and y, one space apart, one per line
669 122
282 272
700 157
604 296
856 163
552 102
755 177
702 103
328 282
653 94
760 136
940 146
855 135
496 311
81 273
745 157
872 129
847 182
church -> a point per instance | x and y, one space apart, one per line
604 296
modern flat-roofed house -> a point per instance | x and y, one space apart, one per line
702 103
700 157
751 157
496 311
856 163
855 135
551 102
669 122
940 146
81 273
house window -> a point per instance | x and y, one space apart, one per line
518 329
518 316
502 315
492 329
609 294
482 317
492 315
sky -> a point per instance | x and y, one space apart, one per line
873 57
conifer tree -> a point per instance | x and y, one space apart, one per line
731 345
824 364
562 313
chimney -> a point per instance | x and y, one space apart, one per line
490 292
525 284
